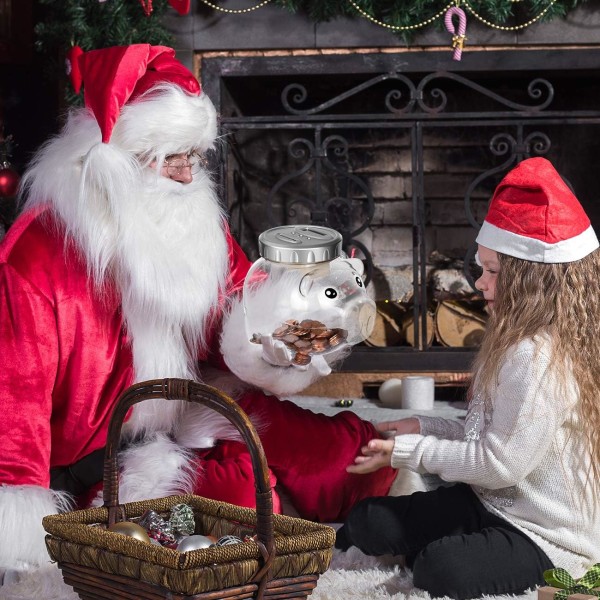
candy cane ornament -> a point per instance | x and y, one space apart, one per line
458 36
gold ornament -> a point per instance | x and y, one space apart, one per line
132 530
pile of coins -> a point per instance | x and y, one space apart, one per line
308 337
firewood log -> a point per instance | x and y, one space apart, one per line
458 325
386 331
448 284
408 329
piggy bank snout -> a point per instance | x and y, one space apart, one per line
360 319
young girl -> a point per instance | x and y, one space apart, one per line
526 462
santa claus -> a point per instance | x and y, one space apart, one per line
121 268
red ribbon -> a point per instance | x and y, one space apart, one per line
73 69
181 6
147 6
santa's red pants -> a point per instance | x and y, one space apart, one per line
307 455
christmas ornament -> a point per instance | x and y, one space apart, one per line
147 6
157 528
72 67
9 181
227 540
194 542
458 38
9 178
131 529
181 519
181 6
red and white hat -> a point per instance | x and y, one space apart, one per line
535 216
174 117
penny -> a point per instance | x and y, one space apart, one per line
300 331
300 344
301 358
281 331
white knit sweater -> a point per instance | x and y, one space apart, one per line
524 459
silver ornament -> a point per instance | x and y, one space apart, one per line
227 540
194 542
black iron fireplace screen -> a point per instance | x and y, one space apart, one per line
402 161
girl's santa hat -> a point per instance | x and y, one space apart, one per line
534 215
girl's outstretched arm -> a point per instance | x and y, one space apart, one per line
376 454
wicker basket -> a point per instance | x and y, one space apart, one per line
285 561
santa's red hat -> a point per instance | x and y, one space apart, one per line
114 76
117 80
535 216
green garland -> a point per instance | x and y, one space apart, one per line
93 24
408 13
100 23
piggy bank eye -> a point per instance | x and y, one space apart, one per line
331 293
359 281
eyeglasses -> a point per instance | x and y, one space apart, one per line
175 165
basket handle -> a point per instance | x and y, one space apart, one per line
191 391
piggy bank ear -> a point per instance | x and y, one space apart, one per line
305 284
354 263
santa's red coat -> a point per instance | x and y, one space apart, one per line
66 359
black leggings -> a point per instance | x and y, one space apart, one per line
453 544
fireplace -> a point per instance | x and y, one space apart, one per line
401 158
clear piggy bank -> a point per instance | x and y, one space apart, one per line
304 294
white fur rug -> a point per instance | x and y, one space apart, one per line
355 576
352 576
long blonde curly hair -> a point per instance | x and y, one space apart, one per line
563 301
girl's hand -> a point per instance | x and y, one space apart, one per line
376 454
400 427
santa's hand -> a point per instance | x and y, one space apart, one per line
320 365
275 352
375 455
400 427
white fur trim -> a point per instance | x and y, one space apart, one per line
22 508
245 359
199 427
154 469
166 120
527 248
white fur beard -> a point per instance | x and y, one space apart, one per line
171 253
171 271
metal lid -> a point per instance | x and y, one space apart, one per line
300 244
